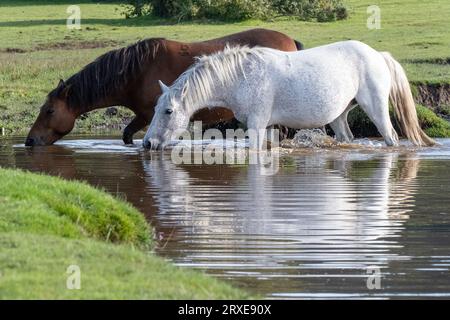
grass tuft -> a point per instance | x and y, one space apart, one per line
41 204
432 124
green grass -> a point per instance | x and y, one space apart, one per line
414 31
48 205
34 267
432 124
48 224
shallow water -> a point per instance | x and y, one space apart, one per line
309 231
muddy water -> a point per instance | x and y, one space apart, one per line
317 228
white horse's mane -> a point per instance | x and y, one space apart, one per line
196 83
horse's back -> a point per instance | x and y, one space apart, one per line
344 55
329 63
352 59
320 81
255 37
316 66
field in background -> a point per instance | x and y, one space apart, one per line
36 48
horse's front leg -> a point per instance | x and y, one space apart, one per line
138 123
256 126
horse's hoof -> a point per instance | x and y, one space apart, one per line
127 140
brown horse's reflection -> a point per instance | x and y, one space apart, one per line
100 169
54 160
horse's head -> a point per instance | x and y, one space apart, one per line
170 117
55 119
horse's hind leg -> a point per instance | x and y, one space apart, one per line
376 106
341 128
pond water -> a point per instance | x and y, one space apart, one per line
317 228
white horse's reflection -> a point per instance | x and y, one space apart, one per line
321 208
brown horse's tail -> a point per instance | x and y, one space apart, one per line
403 103
299 45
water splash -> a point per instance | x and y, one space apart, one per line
318 139
310 138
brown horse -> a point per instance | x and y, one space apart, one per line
129 77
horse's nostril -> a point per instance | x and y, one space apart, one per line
29 142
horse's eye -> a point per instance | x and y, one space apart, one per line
50 111
169 111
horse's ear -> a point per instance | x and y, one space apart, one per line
62 91
65 91
164 88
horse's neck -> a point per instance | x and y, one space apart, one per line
210 103
217 99
106 102
221 95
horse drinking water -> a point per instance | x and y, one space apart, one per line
306 89
129 77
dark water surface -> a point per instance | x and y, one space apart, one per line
309 231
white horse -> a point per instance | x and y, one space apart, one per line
304 89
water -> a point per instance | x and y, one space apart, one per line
316 229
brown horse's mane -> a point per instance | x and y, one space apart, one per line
109 73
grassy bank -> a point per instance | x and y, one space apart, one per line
37 49
432 124
47 224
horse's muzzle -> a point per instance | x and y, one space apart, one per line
29 142
32 142
37 141
152 144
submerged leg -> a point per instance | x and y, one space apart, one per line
272 135
341 128
138 123
256 129
377 109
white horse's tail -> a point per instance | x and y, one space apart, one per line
403 103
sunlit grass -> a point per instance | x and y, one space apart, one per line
37 203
